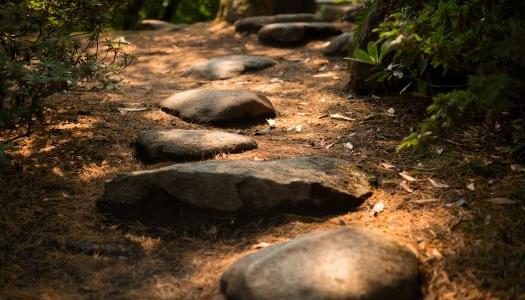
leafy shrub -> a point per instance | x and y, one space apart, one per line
46 47
467 55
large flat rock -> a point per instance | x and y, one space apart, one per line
229 66
219 106
343 264
296 33
308 185
188 145
254 24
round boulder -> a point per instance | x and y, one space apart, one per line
229 66
219 106
340 45
254 24
187 145
296 33
342 264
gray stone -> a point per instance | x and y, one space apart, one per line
186 145
296 33
155 25
229 66
233 10
343 264
254 24
340 45
312 185
335 12
219 106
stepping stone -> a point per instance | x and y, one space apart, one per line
229 66
254 24
156 25
186 145
340 45
343 264
314 185
333 12
296 33
219 106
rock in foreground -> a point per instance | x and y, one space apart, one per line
343 264
296 33
229 66
254 24
219 106
304 185
186 145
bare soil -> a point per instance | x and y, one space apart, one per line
55 244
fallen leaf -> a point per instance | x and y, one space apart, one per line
439 150
121 40
271 122
349 146
438 184
404 185
378 207
502 201
297 128
424 201
407 177
387 166
124 110
391 112
323 68
471 186
341 117
461 202
261 245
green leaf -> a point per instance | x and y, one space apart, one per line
373 52
362 56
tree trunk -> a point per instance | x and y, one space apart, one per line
233 10
170 10
131 14
360 72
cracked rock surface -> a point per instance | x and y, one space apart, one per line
302 185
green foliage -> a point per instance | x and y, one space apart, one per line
126 14
47 47
467 55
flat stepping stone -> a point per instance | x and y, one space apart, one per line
156 25
340 45
254 24
187 145
333 12
219 106
312 185
296 33
229 66
342 264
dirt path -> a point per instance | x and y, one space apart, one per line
51 188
